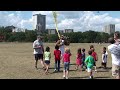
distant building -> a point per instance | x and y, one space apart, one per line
68 30
109 28
10 27
39 23
51 31
61 31
15 29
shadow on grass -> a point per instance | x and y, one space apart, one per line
72 70
85 77
61 71
103 71
103 68
101 77
54 68
72 64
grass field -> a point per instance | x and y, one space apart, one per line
17 62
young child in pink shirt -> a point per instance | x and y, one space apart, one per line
79 59
66 61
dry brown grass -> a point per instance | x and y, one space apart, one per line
17 62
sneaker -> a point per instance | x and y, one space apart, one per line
55 70
36 67
95 70
66 77
91 77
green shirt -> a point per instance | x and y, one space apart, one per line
47 55
89 61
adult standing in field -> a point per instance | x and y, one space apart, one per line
61 45
114 48
38 51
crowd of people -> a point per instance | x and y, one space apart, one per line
62 55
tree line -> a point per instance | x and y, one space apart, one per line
75 37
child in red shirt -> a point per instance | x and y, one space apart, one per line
57 54
66 61
79 59
94 54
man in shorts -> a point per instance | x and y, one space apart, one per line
38 51
115 54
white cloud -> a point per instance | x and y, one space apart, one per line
7 19
77 20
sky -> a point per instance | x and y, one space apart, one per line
77 20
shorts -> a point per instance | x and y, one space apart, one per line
47 62
115 70
38 56
66 66
94 64
89 69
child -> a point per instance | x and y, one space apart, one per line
47 57
91 46
79 59
104 57
89 61
94 54
57 54
83 58
66 61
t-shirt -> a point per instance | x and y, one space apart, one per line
114 49
61 48
47 55
57 54
94 54
106 53
104 58
66 57
37 50
115 53
89 61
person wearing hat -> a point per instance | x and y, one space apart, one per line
38 51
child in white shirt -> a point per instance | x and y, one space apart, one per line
104 58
